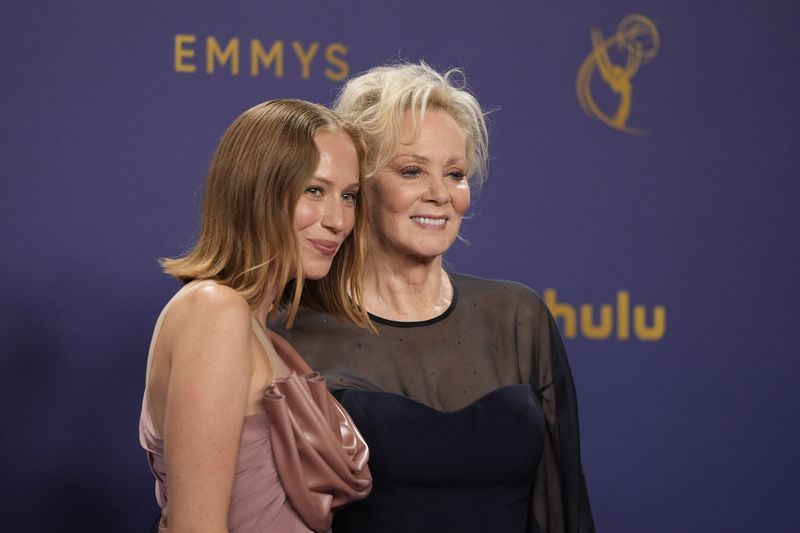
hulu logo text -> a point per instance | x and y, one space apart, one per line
613 320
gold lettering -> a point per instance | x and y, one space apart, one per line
259 57
564 311
596 331
603 328
182 53
645 332
333 59
305 57
231 53
623 318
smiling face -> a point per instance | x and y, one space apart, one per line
325 213
417 201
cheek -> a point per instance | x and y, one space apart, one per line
461 199
305 214
389 194
376 198
350 219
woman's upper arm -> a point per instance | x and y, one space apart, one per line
211 364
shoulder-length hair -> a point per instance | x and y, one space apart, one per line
247 237
376 101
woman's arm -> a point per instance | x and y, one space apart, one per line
560 500
211 364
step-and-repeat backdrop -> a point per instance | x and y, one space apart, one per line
643 180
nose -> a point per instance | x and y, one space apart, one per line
437 191
333 216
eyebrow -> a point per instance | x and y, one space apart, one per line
326 181
422 159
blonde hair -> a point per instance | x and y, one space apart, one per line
247 235
377 100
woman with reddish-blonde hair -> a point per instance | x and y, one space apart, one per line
283 216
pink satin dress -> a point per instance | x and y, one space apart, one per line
258 500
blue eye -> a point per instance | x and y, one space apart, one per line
410 172
350 197
314 191
457 175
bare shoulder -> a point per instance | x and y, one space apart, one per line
204 311
209 299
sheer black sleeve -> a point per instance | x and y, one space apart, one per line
559 500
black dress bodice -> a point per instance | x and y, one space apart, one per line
469 470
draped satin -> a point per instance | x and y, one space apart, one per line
258 500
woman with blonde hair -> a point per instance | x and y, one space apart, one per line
465 397
283 207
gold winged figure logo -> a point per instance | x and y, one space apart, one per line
637 39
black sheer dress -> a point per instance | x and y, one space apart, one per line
471 416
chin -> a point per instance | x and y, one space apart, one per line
425 256
316 271
431 251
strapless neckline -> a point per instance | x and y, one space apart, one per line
500 391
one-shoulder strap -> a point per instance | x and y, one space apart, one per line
276 360
153 340
287 353
146 403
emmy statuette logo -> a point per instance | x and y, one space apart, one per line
637 42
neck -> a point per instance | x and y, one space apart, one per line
263 307
406 289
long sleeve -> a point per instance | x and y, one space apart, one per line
560 501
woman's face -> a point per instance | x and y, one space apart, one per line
325 213
416 202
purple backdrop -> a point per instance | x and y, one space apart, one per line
106 135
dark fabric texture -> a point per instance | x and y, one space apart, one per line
444 408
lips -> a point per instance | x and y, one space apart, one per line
325 247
